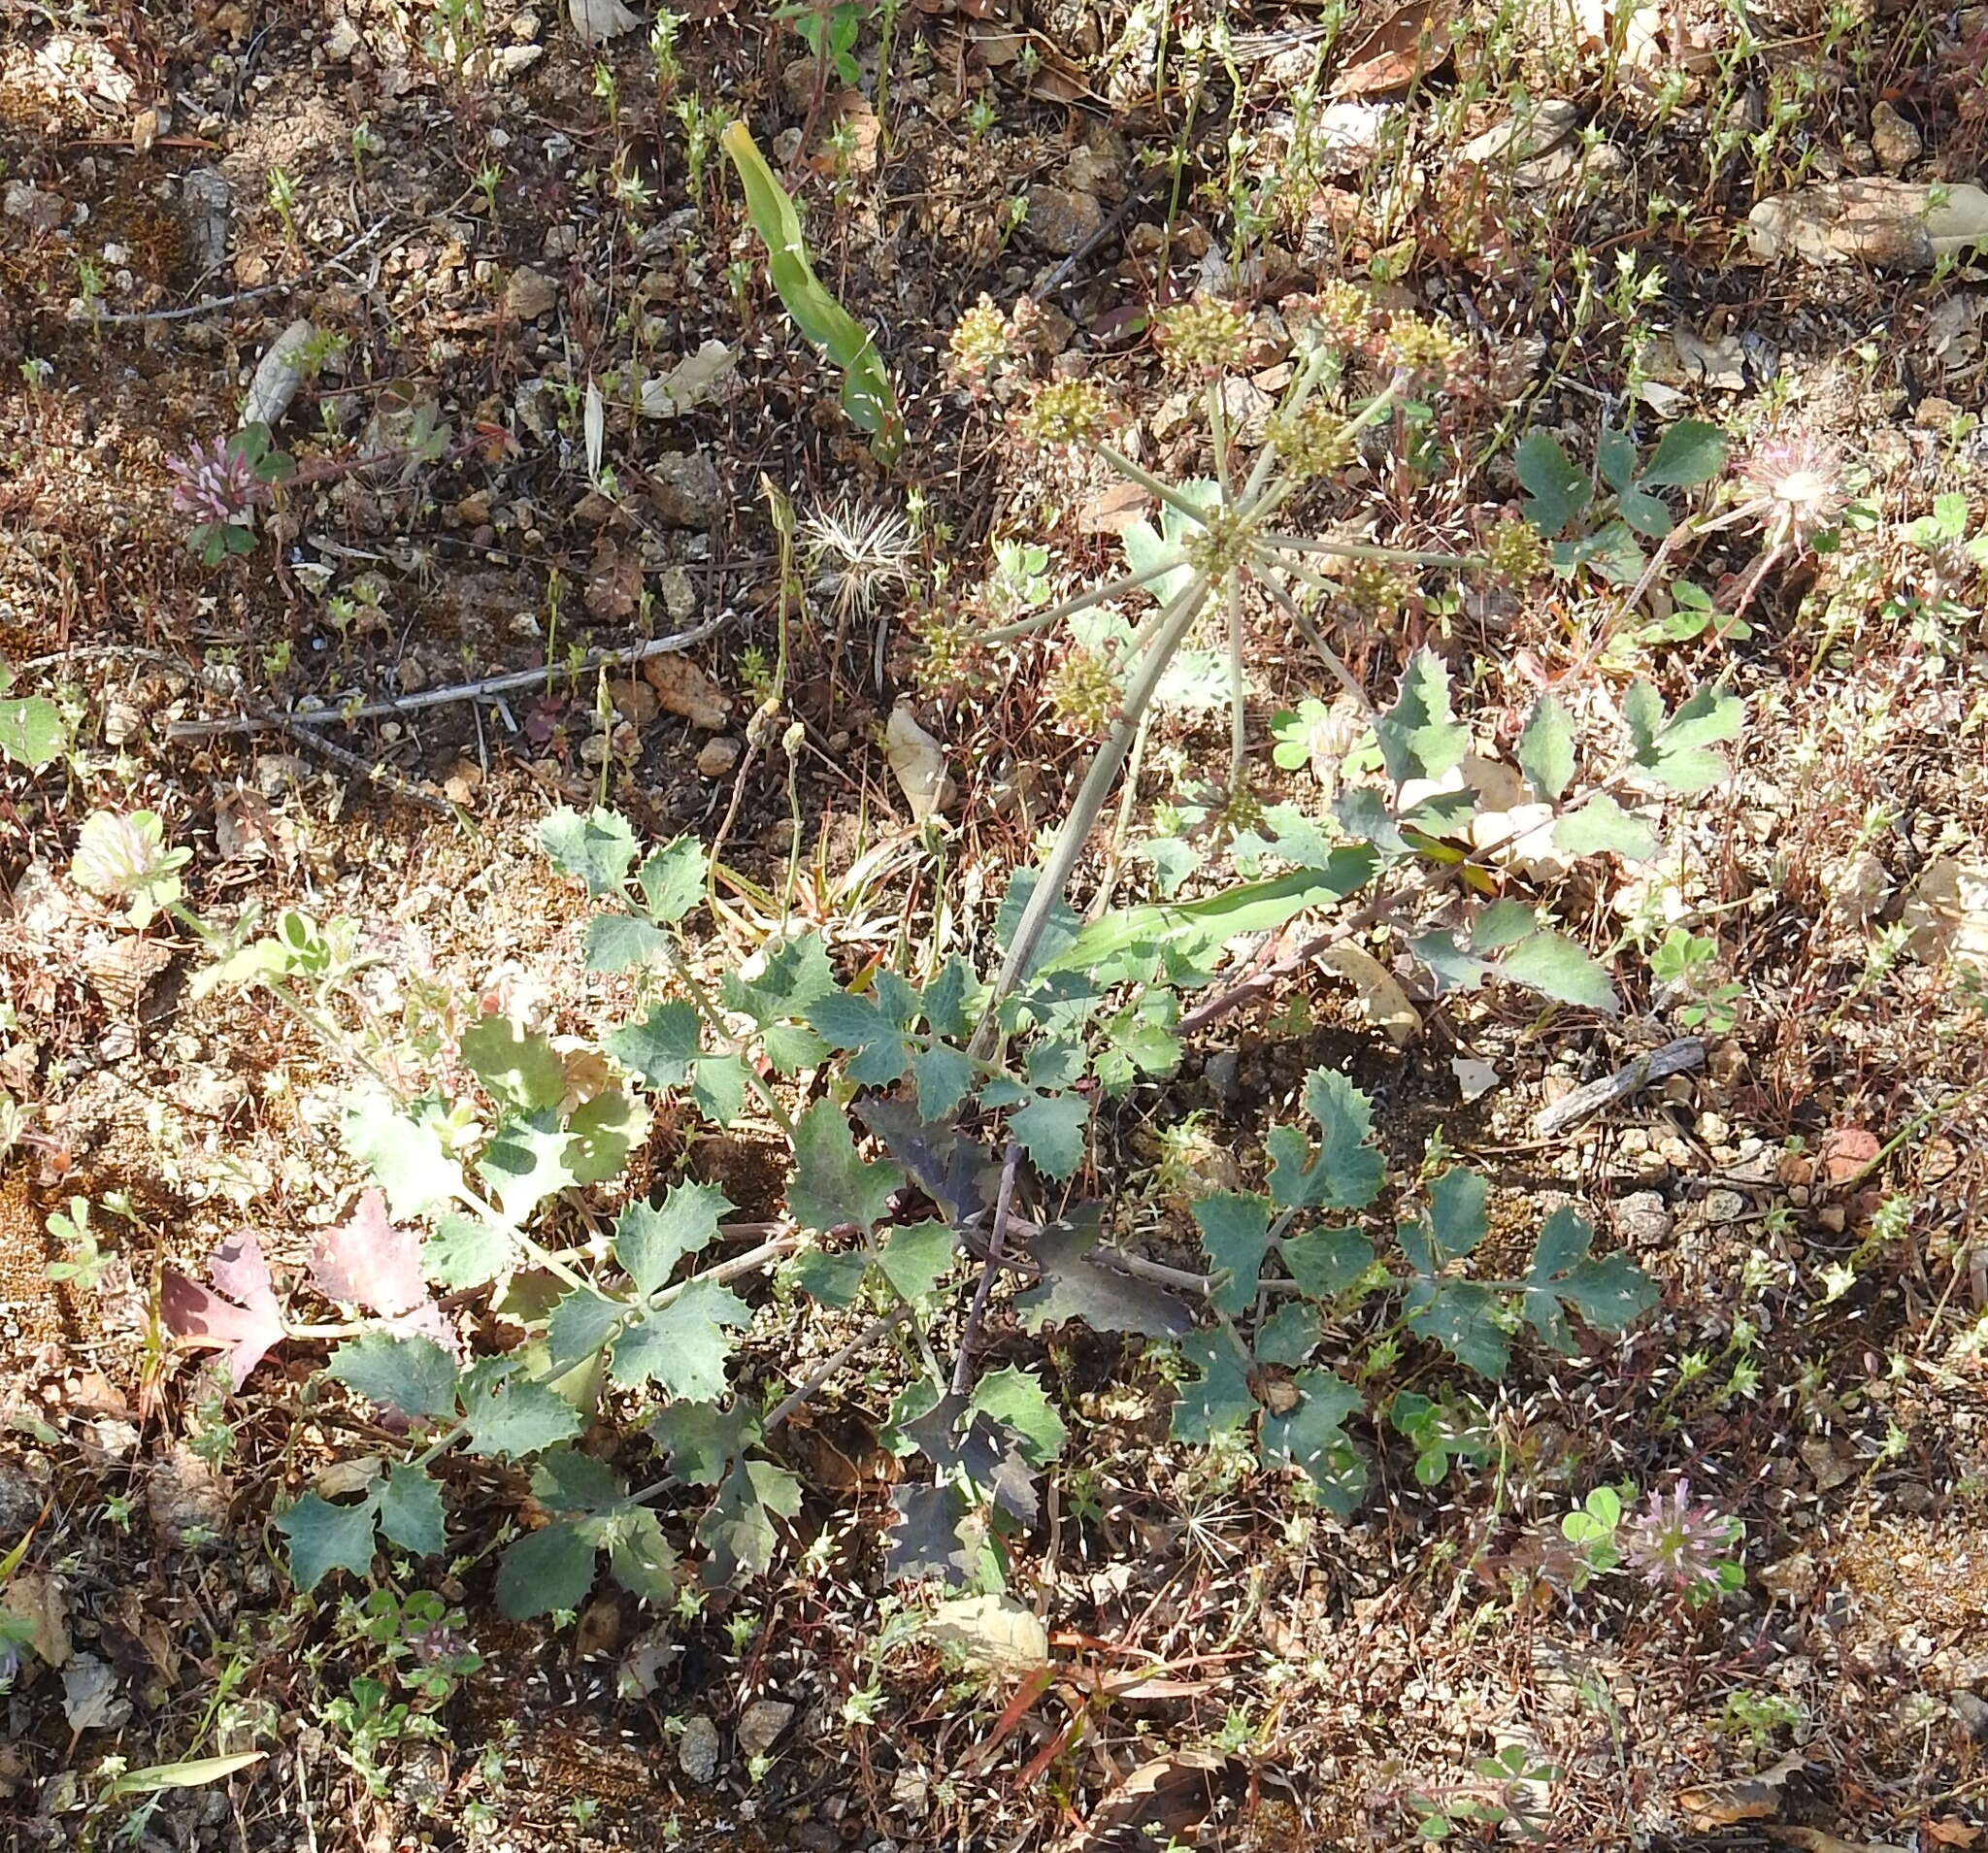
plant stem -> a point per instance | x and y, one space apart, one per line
1360 551
1131 583
821 1374
997 1235
1147 480
708 1013
1170 631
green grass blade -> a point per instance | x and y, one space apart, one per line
865 390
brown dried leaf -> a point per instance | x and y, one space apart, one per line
1410 43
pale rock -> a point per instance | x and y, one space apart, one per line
1524 135
697 1750
763 1721
278 374
1061 219
1858 887
529 294
683 688
686 489
717 757
1895 142
1880 222
342 40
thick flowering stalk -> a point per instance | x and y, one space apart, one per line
1228 539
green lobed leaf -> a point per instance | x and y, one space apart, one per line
579 1326
1648 515
701 1438
683 1345
324 1538
400 1370
1419 737
566 1481
518 1417
1326 1263
878 1053
830 1185
717 1084
1600 826
1453 969
738 1530
1051 1128
1313 1439
1465 1317
597 849
639 1557
943 1077
465 1251
1289 1335
1553 964
32 731
1458 1199
917 1256
546 1570
662 1047
651 1239
1216 1399
832 1280
1346 1172
410 1510
603 1134
1234 1232
1012 1398
1615 457
1503 923
1555 491
408 1159
672 880
1690 452
617 940
1545 749
524 1163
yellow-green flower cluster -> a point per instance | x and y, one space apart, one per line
1312 443
1422 348
1201 336
1084 692
981 343
1066 412
1517 553
1218 547
1376 588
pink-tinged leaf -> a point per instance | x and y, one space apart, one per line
196 1315
371 1262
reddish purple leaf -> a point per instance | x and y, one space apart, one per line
370 1262
245 1331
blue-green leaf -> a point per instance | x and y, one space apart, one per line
410 1510
672 880
405 1372
1326 1263
1551 964
324 1538
1051 1129
545 1570
597 849
1555 491
1312 1438
1216 1401
684 1345
617 940
662 1047
1235 1230
830 1185
1545 749
650 1240
1010 1396
516 1417
1419 737
519 1069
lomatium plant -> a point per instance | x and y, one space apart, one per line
939 1118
